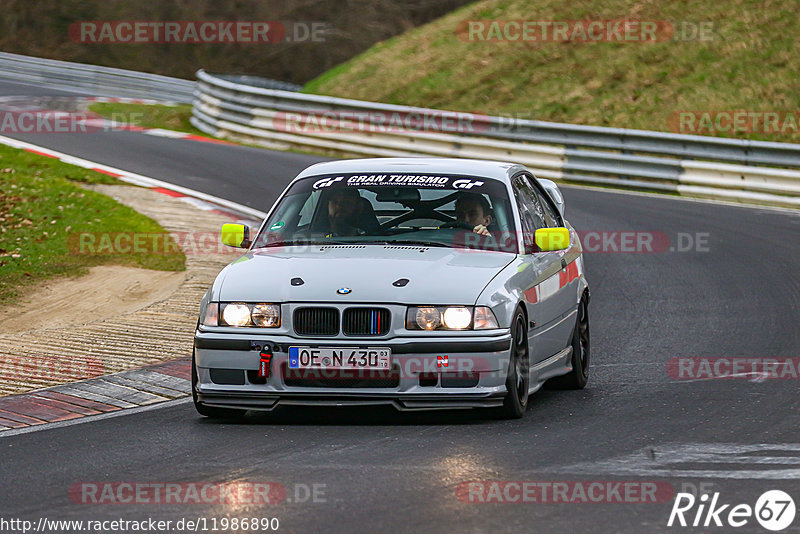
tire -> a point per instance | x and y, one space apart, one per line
515 402
577 378
211 411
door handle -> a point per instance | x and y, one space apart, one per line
563 263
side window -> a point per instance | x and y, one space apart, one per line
550 212
530 222
551 216
532 203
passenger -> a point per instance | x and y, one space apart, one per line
474 209
350 214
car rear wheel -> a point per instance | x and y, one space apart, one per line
518 377
577 378
210 411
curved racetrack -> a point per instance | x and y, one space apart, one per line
739 296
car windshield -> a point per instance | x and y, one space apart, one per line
403 209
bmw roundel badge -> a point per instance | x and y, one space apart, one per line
344 290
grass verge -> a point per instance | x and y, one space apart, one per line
43 213
149 115
742 61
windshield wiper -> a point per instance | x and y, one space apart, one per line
302 242
406 242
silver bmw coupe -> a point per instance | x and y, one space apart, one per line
420 283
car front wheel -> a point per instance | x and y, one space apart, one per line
577 378
518 377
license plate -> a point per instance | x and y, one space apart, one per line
339 358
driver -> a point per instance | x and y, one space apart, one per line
350 214
474 209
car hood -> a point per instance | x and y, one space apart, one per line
435 275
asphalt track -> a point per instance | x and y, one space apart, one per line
380 471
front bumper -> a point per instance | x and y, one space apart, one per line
474 377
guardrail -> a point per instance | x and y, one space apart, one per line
94 80
691 165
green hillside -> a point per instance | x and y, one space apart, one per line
745 59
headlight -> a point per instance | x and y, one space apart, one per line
235 314
450 318
266 315
457 318
258 315
428 318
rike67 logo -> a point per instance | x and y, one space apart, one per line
774 510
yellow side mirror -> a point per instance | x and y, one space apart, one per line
235 235
549 239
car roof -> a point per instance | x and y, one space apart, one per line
498 170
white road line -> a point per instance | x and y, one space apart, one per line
658 461
133 178
787 211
